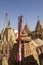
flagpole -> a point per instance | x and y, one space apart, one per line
19 41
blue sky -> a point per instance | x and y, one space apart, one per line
30 9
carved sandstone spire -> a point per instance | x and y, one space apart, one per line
26 28
38 26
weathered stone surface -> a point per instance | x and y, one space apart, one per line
4 61
9 48
6 44
29 54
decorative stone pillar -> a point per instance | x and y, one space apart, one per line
4 61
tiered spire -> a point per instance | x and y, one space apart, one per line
26 28
38 25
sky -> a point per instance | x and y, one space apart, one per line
30 9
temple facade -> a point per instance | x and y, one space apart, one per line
31 45
7 40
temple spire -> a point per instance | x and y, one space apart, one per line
9 23
38 18
38 25
26 23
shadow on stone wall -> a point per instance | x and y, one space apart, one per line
41 59
0 62
29 60
13 55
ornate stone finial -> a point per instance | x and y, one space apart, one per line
38 22
38 17
9 23
38 25
6 14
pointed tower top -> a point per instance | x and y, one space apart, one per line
38 20
26 28
6 14
38 17
9 23
38 25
